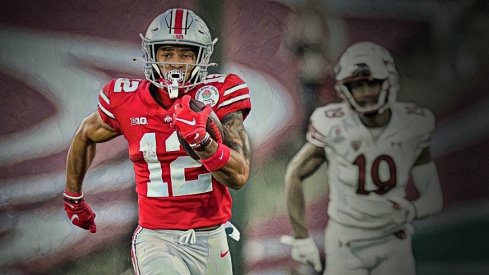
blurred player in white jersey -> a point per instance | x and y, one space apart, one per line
371 144
183 204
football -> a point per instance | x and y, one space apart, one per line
213 127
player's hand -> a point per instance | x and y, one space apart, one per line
404 210
79 212
304 251
191 125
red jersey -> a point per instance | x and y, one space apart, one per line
174 190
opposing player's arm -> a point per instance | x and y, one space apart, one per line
425 178
235 172
82 151
303 164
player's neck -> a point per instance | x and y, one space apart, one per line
161 97
375 120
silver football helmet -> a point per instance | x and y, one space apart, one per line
177 27
367 60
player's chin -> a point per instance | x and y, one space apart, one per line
370 113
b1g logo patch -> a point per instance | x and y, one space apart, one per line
208 95
139 121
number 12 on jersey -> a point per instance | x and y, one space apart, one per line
180 187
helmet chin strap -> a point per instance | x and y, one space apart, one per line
194 74
384 94
383 108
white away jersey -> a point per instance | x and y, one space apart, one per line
364 172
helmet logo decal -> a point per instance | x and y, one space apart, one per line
208 95
361 69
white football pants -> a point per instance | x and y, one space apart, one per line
349 253
180 252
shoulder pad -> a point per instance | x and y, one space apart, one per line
330 113
413 114
125 85
323 119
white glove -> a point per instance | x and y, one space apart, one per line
404 210
303 251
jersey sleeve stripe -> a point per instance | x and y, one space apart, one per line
232 100
217 79
104 97
235 88
105 111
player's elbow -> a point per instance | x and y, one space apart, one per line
240 179
88 130
238 184
82 133
292 173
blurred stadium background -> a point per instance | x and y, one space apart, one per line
56 55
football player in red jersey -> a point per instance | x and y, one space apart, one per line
183 203
372 144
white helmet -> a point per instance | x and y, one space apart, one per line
367 60
177 27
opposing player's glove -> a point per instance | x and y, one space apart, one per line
404 210
304 251
191 125
79 212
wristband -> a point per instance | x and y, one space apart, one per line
72 197
218 159
203 144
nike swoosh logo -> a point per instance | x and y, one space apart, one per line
75 216
224 254
222 155
191 123
72 207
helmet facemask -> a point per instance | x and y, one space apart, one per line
194 34
362 72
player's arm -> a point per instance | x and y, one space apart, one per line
236 170
303 164
425 178
92 130
229 162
